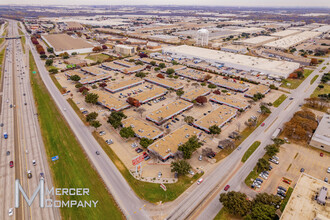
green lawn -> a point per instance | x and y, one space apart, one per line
222 215
148 191
57 84
250 151
319 91
254 173
73 168
97 57
314 78
22 40
2 54
286 199
294 83
279 101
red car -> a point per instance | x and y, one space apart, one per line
263 124
227 187
287 181
11 164
321 154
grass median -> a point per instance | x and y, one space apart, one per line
73 169
250 151
2 55
279 101
314 78
286 199
294 83
22 39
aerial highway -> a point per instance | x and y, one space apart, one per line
131 205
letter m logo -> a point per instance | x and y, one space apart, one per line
18 188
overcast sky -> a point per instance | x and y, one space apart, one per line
266 3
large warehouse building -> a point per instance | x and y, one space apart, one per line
277 69
321 136
64 43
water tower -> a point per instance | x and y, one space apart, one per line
202 37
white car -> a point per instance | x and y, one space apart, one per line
10 211
102 133
328 170
34 162
200 181
191 172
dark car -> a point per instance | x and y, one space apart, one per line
147 158
220 146
97 153
302 170
173 121
8 153
138 150
282 188
177 119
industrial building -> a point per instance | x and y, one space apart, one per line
167 146
229 101
256 41
125 50
263 89
321 136
95 70
165 83
193 94
150 94
142 129
64 43
123 66
94 79
235 49
285 33
229 84
192 74
308 200
122 85
110 102
279 69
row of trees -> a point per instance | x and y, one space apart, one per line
189 147
91 119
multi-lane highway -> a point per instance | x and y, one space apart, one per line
24 138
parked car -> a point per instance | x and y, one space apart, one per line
102 133
159 174
109 141
302 170
200 158
5 135
328 170
191 172
220 146
226 188
11 164
326 179
321 154
263 124
147 158
138 150
200 181
10 211
29 174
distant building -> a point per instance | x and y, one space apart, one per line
125 50
235 49
202 37
321 136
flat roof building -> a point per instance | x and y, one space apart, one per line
263 89
164 113
257 41
321 136
193 94
285 33
110 102
150 94
167 146
142 129
65 43
308 200
229 84
237 61
292 41
165 83
96 71
192 74
122 85
219 117
123 66
124 49
229 101
94 79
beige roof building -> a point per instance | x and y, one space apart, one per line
321 136
110 102
150 94
165 83
263 89
142 129
229 84
219 117
122 85
230 101
193 94
192 74
93 79
95 70
166 112
167 146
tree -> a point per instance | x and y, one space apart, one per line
50 50
140 110
141 74
262 165
83 89
115 119
127 132
189 147
174 62
201 100
189 120
75 78
95 124
91 98
97 49
157 69
74 53
267 199
214 129
179 92
258 96
320 86
153 63
51 56
203 84
91 116
236 203
161 65
181 167
145 142
79 85
278 141
212 86
272 150
43 56
264 110
159 75
132 101
170 71
53 70
49 62
104 47
261 212
103 85
139 62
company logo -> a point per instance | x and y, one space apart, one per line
50 202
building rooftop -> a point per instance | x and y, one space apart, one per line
92 79
165 82
219 117
249 30
109 101
263 89
193 74
169 110
142 128
321 133
70 73
95 70
238 61
219 80
258 40
285 33
117 85
193 94
293 40
231 101
150 94
301 204
62 42
170 143
113 66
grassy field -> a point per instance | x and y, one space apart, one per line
57 84
2 54
319 91
73 168
148 191
222 215
279 101
22 39
294 83
97 57
250 151
314 78
3 39
286 199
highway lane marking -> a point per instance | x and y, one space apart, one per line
288 105
270 124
